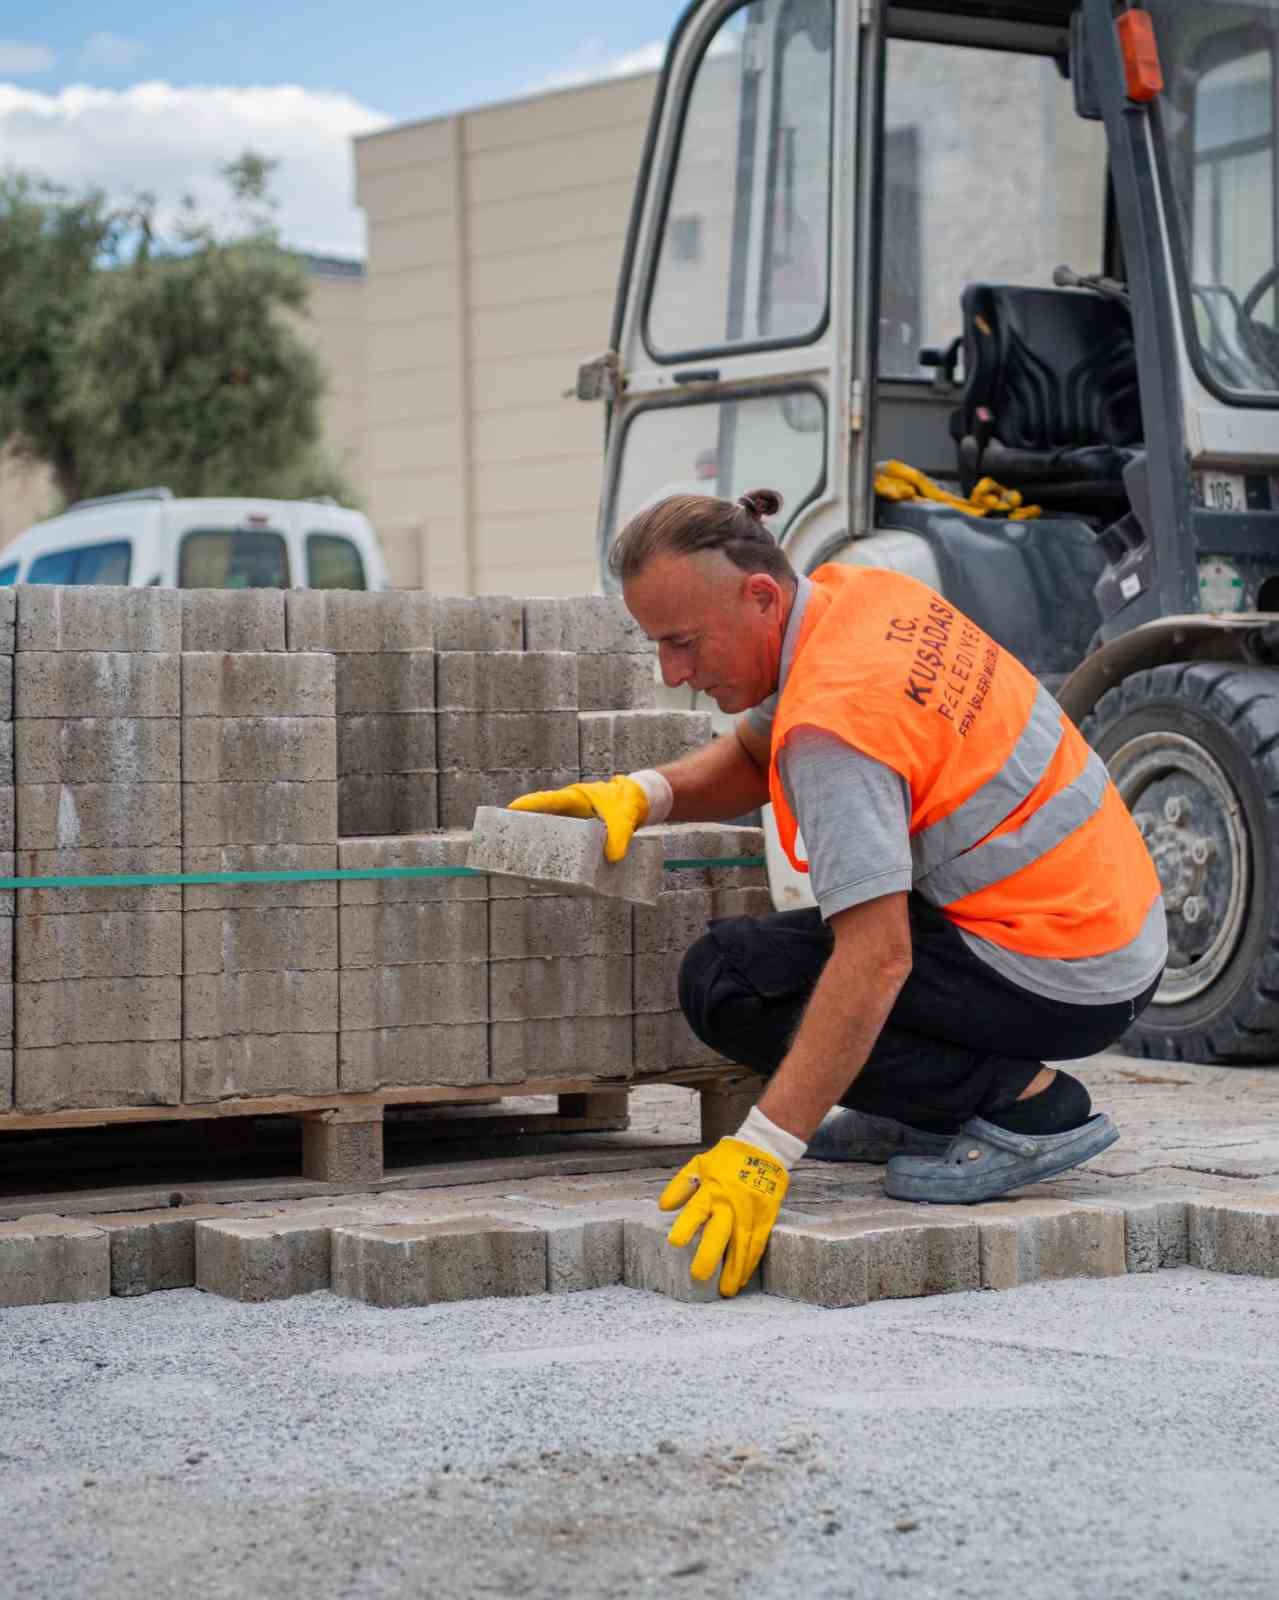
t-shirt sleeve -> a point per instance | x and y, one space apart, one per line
854 814
760 718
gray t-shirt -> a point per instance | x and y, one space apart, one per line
854 815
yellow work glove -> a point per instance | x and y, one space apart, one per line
620 803
733 1193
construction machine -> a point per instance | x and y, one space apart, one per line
1034 242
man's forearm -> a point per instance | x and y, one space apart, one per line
849 1006
716 782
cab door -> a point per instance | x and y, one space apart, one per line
737 311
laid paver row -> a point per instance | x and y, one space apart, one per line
837 1252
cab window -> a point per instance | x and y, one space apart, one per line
233 558
333 562
90 563
8 573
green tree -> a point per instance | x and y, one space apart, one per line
176 360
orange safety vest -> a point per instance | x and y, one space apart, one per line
1016 831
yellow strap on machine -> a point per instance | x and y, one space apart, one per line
894 480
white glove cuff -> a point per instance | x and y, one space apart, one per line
758 1130
661 797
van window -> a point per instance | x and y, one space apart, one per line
8 573
89 563
333 562
233 558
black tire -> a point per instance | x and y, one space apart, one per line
1194 750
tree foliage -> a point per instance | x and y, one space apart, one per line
128 358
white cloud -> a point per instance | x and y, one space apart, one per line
171 141
18 59
592 63
111 50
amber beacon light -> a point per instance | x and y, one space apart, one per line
1142 72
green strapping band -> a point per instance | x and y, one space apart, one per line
132 880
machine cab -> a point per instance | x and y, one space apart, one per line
846 250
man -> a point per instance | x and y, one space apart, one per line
985 902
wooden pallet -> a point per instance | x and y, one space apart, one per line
342 1133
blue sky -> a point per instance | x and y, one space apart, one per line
141 95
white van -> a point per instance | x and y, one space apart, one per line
149 537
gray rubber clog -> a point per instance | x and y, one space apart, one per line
984 1161
847 1135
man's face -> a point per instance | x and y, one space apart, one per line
717 628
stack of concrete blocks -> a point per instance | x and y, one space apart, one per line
618 663
384 660
690 898
259 794
97 700
415 1001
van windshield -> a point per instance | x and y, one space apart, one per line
233 558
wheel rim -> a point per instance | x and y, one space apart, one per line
1192 820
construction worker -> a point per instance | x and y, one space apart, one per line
985 903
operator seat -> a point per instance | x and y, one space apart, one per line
1050 403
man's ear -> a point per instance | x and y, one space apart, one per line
763 591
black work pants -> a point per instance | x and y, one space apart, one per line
960 1041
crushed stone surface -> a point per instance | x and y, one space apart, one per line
1091 1438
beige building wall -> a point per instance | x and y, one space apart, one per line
27 493
494 242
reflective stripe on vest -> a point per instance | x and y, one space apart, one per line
1008 853
999 797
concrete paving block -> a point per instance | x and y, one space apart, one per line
1227 1235
818 1264
1030 1239
414 931
259 813
354 621
746 902
98 750
559 925
94 864
560 986
219 1005
657 980
96 683
386 1058
6 688
258 684
478 622
99 944
399 997
696 841
625 741
8 766
598 1048
96 1011
260 940
229 620
649 1262
396 681
380 803
677 921
563 850
86 1076
583 1252
98 617
268 1258
462 794
422 1264
386 742
343 1146
500 741
430 850
305 895
97 816
618 683
507 680
251 1065
876 1253
155 1250
51 1260
588 624
6 1076
1155 1223
258 749
8 817
8 614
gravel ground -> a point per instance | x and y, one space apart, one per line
1111 1438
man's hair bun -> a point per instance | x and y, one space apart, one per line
761 503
